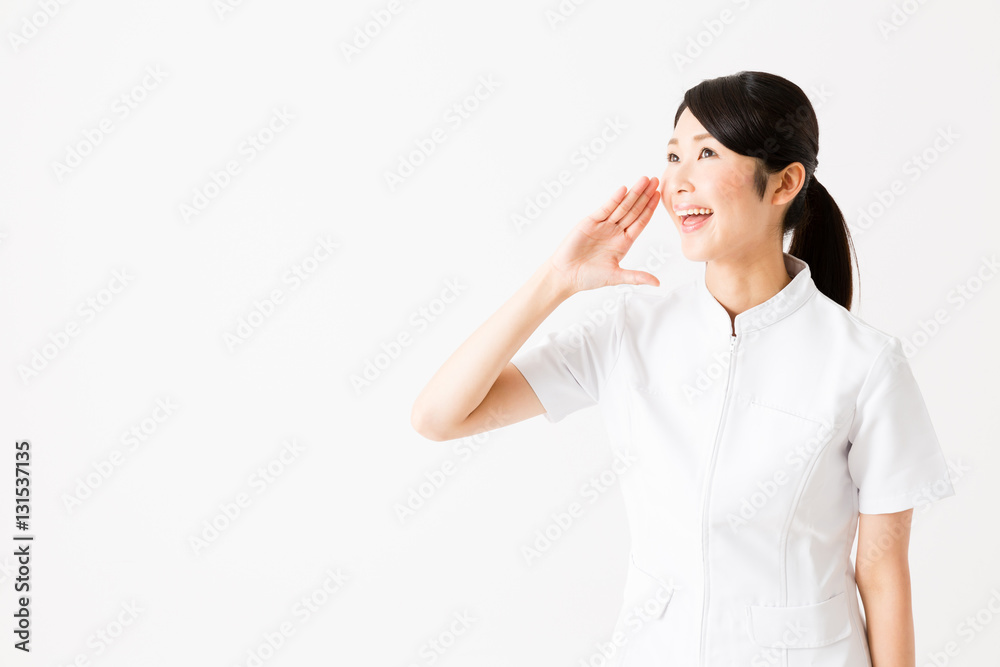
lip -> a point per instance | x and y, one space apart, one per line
683 206
687 229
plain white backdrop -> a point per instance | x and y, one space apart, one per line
237 238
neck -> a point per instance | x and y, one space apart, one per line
740 284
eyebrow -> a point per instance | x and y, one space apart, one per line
697 137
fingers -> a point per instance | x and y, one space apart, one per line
630 199
609 206
639 204
635 202
635 227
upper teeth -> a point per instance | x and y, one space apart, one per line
695 211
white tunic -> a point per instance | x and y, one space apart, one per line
753 454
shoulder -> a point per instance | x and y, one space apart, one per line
862 337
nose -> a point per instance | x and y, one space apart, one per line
674 183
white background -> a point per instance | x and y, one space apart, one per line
881 99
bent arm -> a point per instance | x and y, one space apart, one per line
478 389
883 576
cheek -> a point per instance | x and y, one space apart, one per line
736 181
735 185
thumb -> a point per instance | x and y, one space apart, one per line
637 278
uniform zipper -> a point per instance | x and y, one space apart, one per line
707 494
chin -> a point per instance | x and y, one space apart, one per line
696 252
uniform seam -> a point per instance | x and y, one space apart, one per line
654 577
629 406
856 626
903 495
861 641
783 567
778 408
864 383
834 429
854 319
786 315
620 331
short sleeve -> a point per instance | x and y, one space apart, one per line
894 456
569 368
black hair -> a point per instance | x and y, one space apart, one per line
769 118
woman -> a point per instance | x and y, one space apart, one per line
767 424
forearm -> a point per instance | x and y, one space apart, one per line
885 592
460 385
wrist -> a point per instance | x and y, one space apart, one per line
552 284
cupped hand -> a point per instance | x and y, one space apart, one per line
589 256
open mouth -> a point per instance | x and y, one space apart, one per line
698 218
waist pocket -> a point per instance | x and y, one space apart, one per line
804 626
646 594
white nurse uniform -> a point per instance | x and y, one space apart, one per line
754 453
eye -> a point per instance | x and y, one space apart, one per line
706 148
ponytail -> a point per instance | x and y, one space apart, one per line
821 239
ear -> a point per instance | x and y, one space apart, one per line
787 183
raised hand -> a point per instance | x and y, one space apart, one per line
589 256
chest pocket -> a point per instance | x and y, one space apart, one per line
765 454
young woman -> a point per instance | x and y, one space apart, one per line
767 424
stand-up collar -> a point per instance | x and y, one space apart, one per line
779 306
